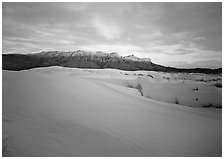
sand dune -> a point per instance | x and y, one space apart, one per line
80 112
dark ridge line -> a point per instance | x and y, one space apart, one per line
92 60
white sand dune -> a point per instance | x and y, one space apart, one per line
79 112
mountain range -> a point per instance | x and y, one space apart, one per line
85 59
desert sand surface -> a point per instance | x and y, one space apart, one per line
57 111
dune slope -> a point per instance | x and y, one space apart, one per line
59 112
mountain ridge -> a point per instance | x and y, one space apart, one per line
97 53
88 59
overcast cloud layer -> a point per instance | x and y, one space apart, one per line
171 34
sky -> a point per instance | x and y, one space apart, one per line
184 35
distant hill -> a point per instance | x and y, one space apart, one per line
84 59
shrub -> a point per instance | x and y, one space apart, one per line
210 105
130 85
195 89
138 87
219 85
176 101
150 75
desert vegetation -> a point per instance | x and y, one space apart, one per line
219 85
176 101
137 86
149 76
210 105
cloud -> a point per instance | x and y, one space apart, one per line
177 49
181 35
106 29
200 38
138 26
150 34
164 32
76 7
179 56
198 64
